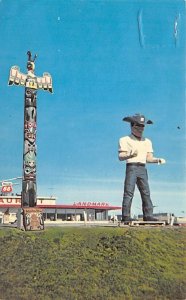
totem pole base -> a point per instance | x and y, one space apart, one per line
31 218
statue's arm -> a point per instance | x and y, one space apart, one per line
151 159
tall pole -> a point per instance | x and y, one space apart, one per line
31 83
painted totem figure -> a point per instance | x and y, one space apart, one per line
32 83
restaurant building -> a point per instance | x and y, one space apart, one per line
78 211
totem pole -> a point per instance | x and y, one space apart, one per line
32 216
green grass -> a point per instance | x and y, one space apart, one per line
93 263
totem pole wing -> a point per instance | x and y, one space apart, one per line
16 77
45 82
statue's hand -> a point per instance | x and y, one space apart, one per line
135 153
161 161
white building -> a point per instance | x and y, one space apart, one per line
78 211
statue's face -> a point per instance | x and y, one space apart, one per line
137 130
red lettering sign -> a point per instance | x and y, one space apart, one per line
16 201
91 204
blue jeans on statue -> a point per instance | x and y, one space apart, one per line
136 174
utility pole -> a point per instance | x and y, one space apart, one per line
32 216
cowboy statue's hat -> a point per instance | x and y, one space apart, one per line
137 119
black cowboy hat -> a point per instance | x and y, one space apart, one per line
137 119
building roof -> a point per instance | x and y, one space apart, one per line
66 206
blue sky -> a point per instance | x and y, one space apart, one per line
108 59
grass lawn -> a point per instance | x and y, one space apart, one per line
93 263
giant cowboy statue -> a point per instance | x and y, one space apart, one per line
32 216
137 150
